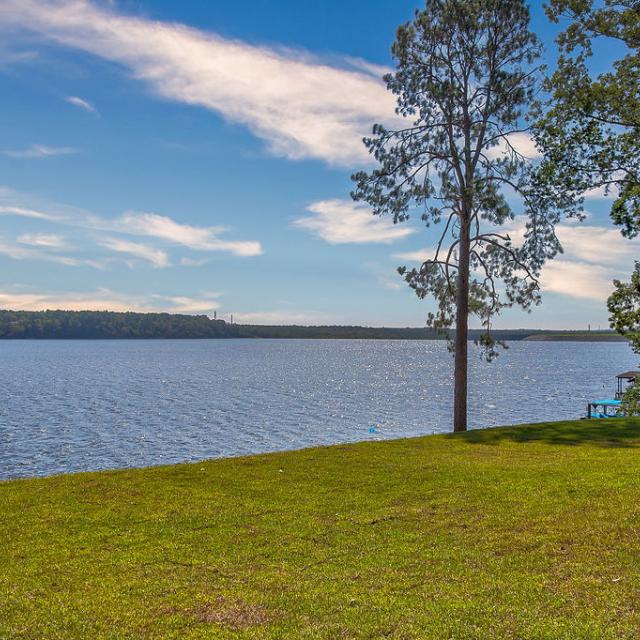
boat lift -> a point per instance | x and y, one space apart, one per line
625 380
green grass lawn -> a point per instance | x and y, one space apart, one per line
524 532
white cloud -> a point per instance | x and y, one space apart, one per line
23 212
19 252
40 151
587 243
596 193
344 221
600 193
593 257
600 245
280 317
197 238
577 279
48 240
521 141
301 107
420 255
81 103
156 257
376 70
193 262
136 224
184 304
611 191
106 300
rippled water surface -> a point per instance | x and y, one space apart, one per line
80 405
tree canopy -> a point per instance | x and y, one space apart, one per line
466 73
589 128
624 306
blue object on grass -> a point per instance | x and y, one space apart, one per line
608 403
598 409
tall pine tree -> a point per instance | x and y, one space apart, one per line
465 77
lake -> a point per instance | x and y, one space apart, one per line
87 405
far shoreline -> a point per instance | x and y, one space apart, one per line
531 338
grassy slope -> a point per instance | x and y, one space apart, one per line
528 532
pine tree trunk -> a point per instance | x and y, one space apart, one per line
462 333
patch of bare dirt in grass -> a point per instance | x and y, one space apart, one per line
235 615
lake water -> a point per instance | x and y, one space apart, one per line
86 405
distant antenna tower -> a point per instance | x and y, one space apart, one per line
589 327
232 318
215 315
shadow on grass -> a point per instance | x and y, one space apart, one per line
605 433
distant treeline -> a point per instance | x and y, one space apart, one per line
367 333
129 325
109 324
577 336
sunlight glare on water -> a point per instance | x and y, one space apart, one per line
87 405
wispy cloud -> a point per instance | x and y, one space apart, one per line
40 151
185 304
9 57
197 238
156 257
385 276
420 255
25 212
282 316
106 300
302 107
151 225
344 221
81 104
21 252
48 240
193 262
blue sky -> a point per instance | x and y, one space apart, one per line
195 156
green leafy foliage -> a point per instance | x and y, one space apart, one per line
631 401
589 129
624 306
